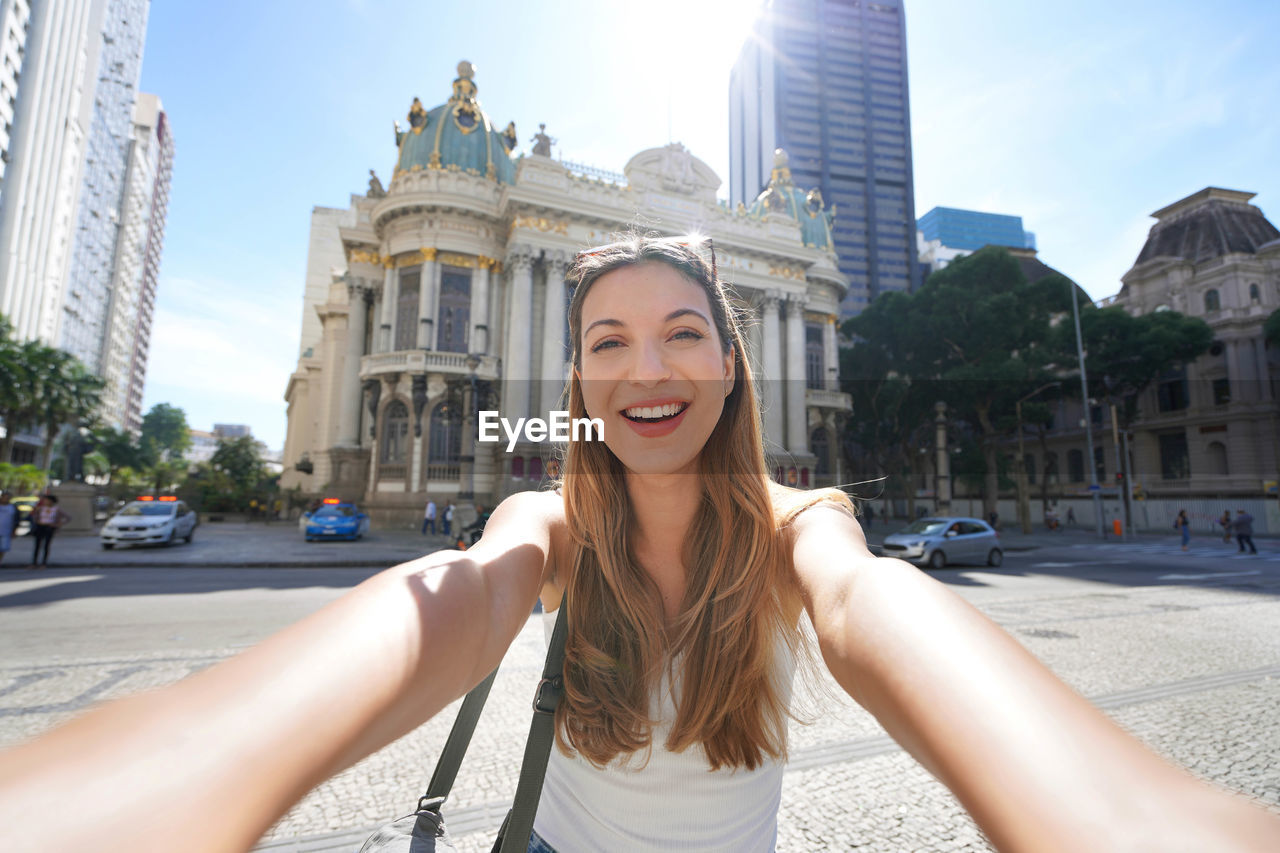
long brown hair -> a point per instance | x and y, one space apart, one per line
726 637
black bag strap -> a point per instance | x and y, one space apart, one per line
518 826
537 750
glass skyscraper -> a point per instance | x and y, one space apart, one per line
826 80
86 304
972 229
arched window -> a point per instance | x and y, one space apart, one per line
535 469
454 310
1255 296
446 435
395 433
1216 459
1212 302
517 468
820 447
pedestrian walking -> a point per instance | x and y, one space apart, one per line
46 518
686 606
1243 526
1183 524
994 518
1071 516
448 518
429 518
8 523
1225 521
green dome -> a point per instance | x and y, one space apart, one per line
456 135
783 196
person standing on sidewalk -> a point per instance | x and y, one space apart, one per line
1183 524
46 518
1225 521
448 518
429 518
8 523
1243 526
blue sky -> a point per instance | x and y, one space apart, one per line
1081 117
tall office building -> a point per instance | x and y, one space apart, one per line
51 103
137 263
826 80
946 233
100 229
85 186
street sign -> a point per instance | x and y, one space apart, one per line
1094 487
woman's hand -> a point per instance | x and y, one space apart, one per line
1037 766
211 762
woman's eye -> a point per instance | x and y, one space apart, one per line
688 335
608 343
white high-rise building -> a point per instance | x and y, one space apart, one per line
100 227
15 16
52 107
143 208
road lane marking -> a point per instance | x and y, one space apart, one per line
1054 565
1206 576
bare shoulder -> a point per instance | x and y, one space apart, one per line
536 517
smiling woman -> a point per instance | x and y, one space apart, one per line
686 574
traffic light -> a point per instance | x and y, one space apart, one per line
1119 477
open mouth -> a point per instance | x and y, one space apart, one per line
654 414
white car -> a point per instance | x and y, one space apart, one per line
149 520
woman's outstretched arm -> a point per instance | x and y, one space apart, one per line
1038 767
209 763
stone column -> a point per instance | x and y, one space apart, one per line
552 373
1264 376
519 354
390 288
771 369
478 340
349 410
426 300
1235 375
797 416
830 355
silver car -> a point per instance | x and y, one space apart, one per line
938 542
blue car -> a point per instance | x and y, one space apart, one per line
335 520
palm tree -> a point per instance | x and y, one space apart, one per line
68 394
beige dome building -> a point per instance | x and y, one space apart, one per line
445 293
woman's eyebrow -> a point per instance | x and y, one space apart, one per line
679 312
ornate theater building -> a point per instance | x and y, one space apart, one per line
444 294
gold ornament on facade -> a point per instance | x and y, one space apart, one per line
360 256
787 272
428 255
559 226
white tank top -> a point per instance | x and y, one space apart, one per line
674 802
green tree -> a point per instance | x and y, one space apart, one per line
982 331
890 407
67 394
165 435
1271 328
120 448
238 459
1125 354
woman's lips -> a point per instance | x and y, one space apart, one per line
654 429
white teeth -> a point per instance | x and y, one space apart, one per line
655 412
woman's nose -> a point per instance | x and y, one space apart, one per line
649 366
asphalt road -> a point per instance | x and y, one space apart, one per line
1181 648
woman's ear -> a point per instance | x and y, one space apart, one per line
730 370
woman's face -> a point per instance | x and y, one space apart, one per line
653 366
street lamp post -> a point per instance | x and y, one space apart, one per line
1024 507
467 459
942 462
1094 489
